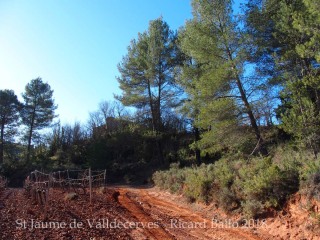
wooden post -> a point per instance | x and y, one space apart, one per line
104 178
90 186
68 179
47 194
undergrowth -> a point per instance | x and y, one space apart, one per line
251 185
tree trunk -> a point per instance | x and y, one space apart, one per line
151 107
197 138
1 142
245 101
160 127
29 144
317 93
160 151
155 125
253 120
30 136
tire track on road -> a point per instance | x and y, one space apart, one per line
150 208
157 232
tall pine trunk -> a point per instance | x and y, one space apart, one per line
197 150
155 125
261 148
2 142
30 136
260 145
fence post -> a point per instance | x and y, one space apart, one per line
47 193
104 177
90 185
36 175
69 183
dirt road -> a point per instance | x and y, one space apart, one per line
176 220
117 213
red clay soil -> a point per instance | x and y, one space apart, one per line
300 219
175 220
120 213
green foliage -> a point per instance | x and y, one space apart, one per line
224 132
303 122
9 118
147 77
147 72
266 182
195 183
68 146
306 20
252 208
214 79
172 180
309 168
198 183
286 34
311 186
38 110
224 173
251 185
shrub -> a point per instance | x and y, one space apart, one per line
172 179
309 168
195 183
254 184
311 186
264 181
252 208
227 200
303 164
160 179
224 173
199 182
224 191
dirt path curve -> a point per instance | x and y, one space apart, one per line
150 228
173 220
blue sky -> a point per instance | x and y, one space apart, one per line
75 45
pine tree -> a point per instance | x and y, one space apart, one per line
147 76
9 117
38 111
294 31
215 43
147 72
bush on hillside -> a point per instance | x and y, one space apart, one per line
199 183
172 179
252 185
311 186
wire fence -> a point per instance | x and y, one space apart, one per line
38 183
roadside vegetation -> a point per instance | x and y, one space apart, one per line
252 186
